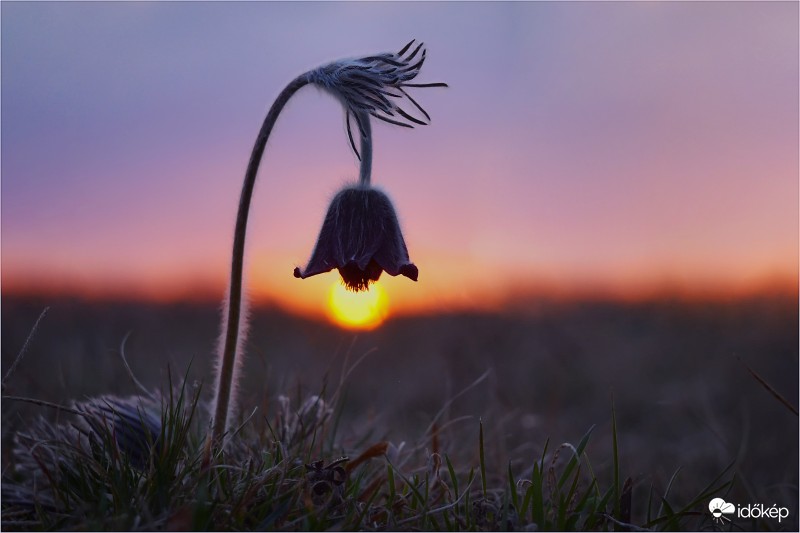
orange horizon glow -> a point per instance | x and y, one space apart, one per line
445 284
311 298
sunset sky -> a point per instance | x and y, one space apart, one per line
609 147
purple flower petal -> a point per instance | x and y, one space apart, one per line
361 238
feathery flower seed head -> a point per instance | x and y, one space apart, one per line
375 85
134 422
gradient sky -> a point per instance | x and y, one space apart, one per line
580 146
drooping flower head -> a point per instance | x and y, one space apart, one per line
361 238
361 235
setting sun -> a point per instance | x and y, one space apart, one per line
358 310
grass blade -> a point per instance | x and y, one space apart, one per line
483 459
573 462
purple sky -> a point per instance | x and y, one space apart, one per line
579 144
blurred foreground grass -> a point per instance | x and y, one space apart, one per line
689 418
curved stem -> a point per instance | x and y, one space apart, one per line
228 362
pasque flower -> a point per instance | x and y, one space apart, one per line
134 422
361 235
361 238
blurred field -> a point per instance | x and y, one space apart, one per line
682 397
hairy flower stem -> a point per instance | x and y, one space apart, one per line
366 150
227 363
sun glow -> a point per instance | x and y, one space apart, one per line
358 310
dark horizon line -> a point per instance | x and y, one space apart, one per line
789 290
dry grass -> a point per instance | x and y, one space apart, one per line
482 461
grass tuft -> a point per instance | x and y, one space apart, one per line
136 464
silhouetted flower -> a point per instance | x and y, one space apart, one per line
361 238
